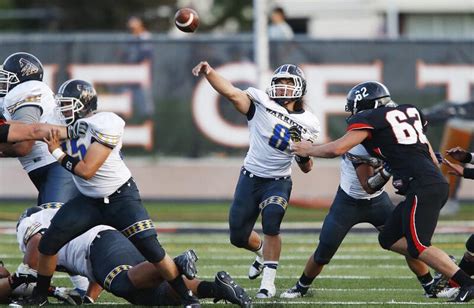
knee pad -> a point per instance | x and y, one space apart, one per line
150 248
324 253
470 244
272 215
238 238
51 242
118 283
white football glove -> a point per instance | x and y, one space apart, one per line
67 295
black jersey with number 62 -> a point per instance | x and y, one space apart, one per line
397 136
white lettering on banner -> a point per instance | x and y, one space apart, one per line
457 78
206 106
101 74
49 76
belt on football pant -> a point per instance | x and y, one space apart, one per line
126 185
253 176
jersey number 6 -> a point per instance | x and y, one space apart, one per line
405 132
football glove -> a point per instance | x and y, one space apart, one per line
66 295
364 159
295 133
77 130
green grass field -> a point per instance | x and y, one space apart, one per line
361 274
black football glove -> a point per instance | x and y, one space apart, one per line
77 130
295 133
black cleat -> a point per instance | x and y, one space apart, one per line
186 263
230 291
465 295
190 301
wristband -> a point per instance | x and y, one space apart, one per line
58 153
302 159
69 163
468 159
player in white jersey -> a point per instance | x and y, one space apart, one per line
99 252
265 185
108 193
27 99
360 198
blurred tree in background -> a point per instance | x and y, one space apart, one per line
111 15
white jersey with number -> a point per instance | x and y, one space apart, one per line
349 181
107 129
74 256
269 152
38 94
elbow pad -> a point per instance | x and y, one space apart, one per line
378 180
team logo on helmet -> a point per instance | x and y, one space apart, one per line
87 93
27 68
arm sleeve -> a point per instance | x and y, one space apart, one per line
27 114
469 173
358 122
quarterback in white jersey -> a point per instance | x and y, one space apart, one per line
108 193
27 99
264 185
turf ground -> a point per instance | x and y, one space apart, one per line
360 275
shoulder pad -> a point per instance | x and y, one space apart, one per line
29 93
107 128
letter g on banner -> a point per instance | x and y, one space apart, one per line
206 112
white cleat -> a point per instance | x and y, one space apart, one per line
293 293
448 293
268 292
255 270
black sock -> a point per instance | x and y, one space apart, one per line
466 266
206 289
425 279
305 281
179 286
43 284
462 279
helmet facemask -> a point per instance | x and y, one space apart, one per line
284 92
6 80
70 108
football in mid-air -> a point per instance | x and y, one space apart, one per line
186 20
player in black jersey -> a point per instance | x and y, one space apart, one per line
395 133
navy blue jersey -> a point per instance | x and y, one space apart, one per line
397 136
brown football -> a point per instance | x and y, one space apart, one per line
186 20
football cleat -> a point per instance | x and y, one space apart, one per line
448 293
230 291
33 300
465 295
294 292
440 282
190 301
186 263
266 293
255 270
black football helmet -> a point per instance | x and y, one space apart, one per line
367 95
281 92
76 99
17 68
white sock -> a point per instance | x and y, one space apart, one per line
268 277
259 253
